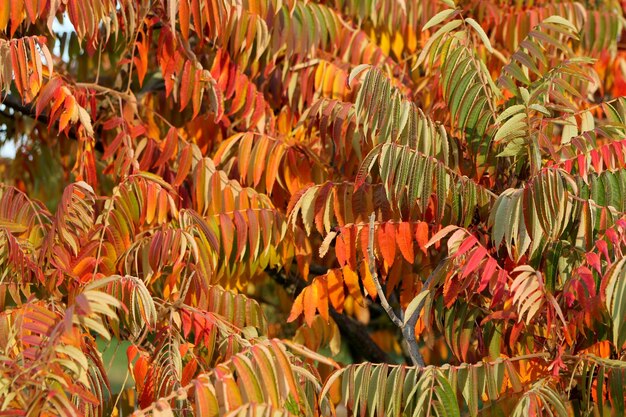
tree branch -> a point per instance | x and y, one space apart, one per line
355 333
11 102
407 327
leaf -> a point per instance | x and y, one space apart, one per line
415 304
386 239
438 18
616 301
336 293
404 237
355 73
441 234
351 279
483 36
297 308
310 303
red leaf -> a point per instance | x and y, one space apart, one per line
387 242
467 244
490 268
475 260
498 291
594 260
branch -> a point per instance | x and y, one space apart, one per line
408 327
355 333
372 267
11 102
28 110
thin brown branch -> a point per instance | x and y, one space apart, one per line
372 267
408 327
354 333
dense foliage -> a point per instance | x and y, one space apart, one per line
301 208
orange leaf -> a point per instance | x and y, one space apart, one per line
198 91
335 288
31 9
163 206
169 147
272 168
451 289
364 240
183 18
368 281
245 149
322 297
186 85
345 247
141 61
242 232
198 21
405 241
69 106
47 92
151 204
340 249
184 165
5 7
253 232
310 303
259 159
352 282
205 402
17 15
296 308
228 230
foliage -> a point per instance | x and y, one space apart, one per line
303 208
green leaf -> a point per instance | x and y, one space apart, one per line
483 36
438 18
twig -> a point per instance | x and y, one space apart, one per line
372 267
407 327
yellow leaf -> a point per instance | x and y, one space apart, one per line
411 42
385 43
398 45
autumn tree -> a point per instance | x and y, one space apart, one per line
307 208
